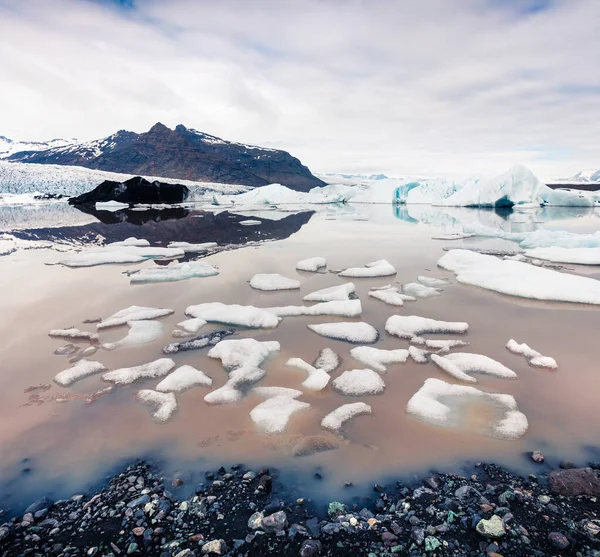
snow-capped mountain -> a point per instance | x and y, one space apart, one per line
9 146
583 177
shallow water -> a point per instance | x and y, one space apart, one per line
68 445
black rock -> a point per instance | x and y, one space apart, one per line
210 339
310 548
43 503
567 464
558 540
575 481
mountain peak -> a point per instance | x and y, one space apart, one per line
159 127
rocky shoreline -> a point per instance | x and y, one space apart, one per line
241 512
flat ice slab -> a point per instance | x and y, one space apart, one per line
250 222
112 254
271 392
132 241
461 364
317 379
174 272
379 359
331 294
234 314
578 256
359 382
189 327
133 313
419 355
83 368
273 415
381 268
165 403
532 356
243 352
409 326
433 282
360 332
184 378
346 308
192 248
140 332
442 404
335 420
391 296
73 334
151 370
313 264
520 279
273 281
418 290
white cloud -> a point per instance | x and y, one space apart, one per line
404 87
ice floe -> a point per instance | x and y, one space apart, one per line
165 403
133 313
184 378
419 355
520 279
461 364
234 314
73 334
132 241
243 352
335 420
192 248
250 222
317 379
140 332
433 282
227 394
380 268
83 368
359 382
174 272
439 344
327 360
354 332
111 205
532 356
391 296
198 343
347 308
189 327
379 359
331 294
440 403
418 290
577 256
119 254
273 281
273 415
151 370
409 326
313 264
271 392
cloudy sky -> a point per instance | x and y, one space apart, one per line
398 86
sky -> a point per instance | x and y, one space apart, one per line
404 87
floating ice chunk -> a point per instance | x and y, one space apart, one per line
327 360
317 378
243 352
250 222
461 364
271 392
271 282
227 394
197 343
131 242
133 313
336 419
192 248
165 403
273 415
441 343
409 326
360 332
452 236
73 334
189 327
520 279
441 403
379 359
379 268
119 254
151 370
83 368
532 356
174 272
433 282
312 264
234 314
391 296
184 378
66 350
419 290
419 355
111 205
359 382
578 256
140 332
347 308
331 294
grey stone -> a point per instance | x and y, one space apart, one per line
43 503
275 522
575 481
492 528
218 547
255 521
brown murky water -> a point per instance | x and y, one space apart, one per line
78 440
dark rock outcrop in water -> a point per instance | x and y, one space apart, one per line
181 153
135 190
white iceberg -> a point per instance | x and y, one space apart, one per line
459 365
317 379
577 256
73 334
532 356
409 326
327 360
83 368
520 279
192 248
442 404
359 382
140 332
331 294
151 370
335 420
379 268
184 378
418 290
358 333
133 313
174 272
189 327
271 392
391 296
272 282
347 308
379 359
273 415
165 403
313 264
433 282
234 314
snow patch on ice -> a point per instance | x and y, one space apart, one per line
313 264
73 334
379 268
133 313
532 356
327 360
188 327
409 326
192 248
379 359
348 308
273 415
350 332
234 314
331 294
184 378
418 290
461 364
151 370
83 368
140 332
335 420
317 379
577 256
174 272
272 282
359 382
433 282
165 403
271 392
391 296
119 254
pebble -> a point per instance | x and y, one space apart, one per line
558 540
275 522
492 528
537 456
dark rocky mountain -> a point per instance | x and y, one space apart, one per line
182 153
